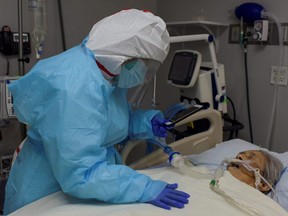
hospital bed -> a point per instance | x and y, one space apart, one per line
193 144
205 148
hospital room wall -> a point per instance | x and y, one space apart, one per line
78 18
260 60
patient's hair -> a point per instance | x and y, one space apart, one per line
273 168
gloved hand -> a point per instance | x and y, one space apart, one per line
171 197
159 127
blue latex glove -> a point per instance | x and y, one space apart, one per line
159 127
170 197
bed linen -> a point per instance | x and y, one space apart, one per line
203 200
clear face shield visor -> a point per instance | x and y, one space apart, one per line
137 93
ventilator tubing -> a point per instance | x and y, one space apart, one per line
246 164
178 161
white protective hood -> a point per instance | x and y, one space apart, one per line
128 34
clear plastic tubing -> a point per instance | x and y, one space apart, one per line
266 14
178 161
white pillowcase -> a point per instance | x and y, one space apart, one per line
213 157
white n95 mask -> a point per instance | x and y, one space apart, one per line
132 74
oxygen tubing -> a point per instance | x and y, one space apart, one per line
269 139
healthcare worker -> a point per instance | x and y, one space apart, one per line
76 107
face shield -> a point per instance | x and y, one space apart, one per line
137 93
132 74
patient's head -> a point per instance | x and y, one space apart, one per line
269 167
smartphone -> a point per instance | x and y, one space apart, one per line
184 114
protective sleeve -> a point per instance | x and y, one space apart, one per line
140 126
71 118
79 162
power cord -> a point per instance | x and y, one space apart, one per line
245 40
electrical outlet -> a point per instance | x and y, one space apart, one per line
274 72
282 76
279 76
234 35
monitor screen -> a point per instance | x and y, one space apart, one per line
183 67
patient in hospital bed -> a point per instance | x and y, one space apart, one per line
213 157
238 198
266 172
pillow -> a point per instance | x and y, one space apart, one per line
213 157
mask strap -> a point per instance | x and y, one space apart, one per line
102 67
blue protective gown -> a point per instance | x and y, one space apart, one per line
75 116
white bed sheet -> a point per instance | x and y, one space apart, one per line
213 157
203 200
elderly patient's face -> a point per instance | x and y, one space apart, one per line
257 160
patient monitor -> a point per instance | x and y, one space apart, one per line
185 68
6 99
197 79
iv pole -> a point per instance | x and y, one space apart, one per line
21 68
20 43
